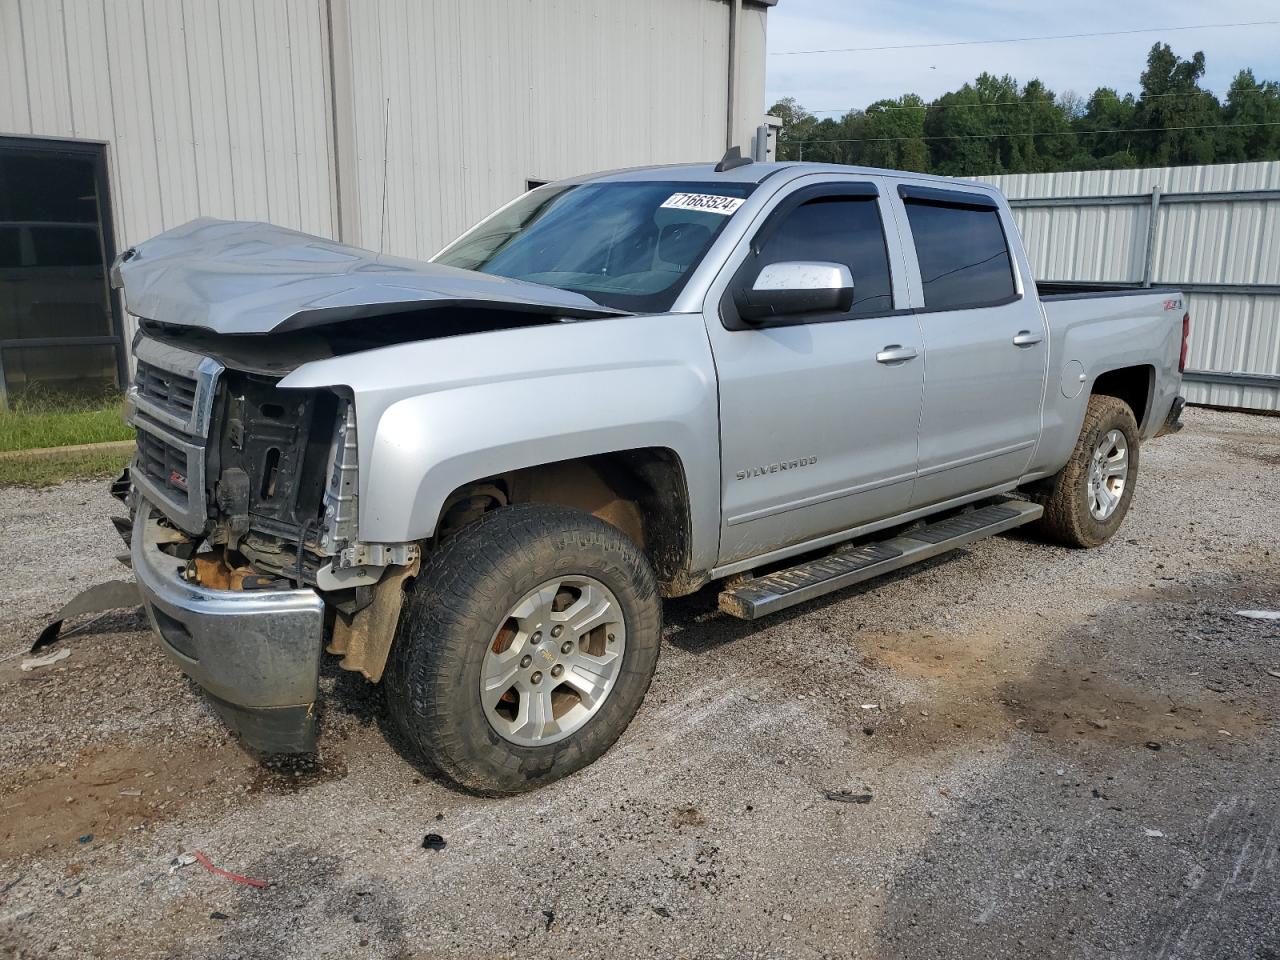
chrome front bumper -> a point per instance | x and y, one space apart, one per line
255 653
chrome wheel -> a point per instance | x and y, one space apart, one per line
553 661
1108 472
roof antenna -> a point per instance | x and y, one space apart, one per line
732 158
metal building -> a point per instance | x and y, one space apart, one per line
1213 230
389 124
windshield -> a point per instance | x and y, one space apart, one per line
625 245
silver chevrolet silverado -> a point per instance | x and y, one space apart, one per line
473 480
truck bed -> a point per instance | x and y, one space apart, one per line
1080 289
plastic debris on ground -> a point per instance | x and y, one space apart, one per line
177 863
34 663
247 881
1259 614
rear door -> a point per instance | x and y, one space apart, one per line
817 434
985 342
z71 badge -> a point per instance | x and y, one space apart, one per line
1174 304
776 467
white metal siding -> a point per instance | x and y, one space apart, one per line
225 108
1225 241
207 108
474 97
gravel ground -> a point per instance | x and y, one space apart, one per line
1067 754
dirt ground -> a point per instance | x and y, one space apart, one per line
1067 754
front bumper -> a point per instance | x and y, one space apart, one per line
1173 422
256 654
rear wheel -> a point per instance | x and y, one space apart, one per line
525 648
1090 496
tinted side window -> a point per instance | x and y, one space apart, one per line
964 259
838 230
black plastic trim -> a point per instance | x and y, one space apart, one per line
1091 291
951 198
970 306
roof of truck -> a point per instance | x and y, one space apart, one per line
750 173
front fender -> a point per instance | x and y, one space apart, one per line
435 415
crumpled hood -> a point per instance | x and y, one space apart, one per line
237 277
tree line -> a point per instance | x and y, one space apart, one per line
996 125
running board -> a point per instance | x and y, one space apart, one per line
754 598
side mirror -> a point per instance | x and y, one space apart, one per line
796 287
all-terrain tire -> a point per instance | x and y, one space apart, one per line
450 620
1067 516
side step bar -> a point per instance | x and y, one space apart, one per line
754 598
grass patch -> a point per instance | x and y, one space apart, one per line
33 422
49 469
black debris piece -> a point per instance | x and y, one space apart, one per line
433 841
844 796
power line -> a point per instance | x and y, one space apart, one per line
1059 36
1040 133
1000 103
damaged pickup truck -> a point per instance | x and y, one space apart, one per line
474 479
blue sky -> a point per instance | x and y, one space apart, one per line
843 80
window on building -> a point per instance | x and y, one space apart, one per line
58 333
963 255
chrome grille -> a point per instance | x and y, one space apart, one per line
171 406
173 391
162 462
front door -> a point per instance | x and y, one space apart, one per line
818 413
985 344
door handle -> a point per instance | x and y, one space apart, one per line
896 353
1025 338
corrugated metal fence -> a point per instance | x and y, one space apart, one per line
1213 231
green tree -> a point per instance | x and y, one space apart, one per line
1099 145
971 129
1253 112
1176 114
894 135
994 125
797 126
1045 143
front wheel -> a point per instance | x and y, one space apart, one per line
1091 494
525 648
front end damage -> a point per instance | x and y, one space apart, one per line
245 495
255 653
244 539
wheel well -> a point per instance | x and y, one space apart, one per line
641 492
1130 384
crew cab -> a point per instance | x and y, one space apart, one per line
473 480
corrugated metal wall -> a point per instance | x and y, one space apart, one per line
207 108
461 102
1227 238
232 108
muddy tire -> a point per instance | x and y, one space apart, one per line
1086 502
525 648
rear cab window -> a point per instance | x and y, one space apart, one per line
961 248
